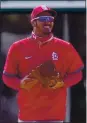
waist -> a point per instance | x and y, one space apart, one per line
52 113
41 105
47 121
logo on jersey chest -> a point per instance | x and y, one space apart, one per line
54 56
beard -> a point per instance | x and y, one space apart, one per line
43 30
47 30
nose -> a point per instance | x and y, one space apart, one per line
47 22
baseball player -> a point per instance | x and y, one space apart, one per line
41 67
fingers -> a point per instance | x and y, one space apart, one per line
52 83
27 77
56 82
28 83
58 85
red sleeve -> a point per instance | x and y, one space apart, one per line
72 79
12 82
11 60
10 69
74 60
74 73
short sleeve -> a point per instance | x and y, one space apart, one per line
10 67
74 60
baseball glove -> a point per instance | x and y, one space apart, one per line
46 73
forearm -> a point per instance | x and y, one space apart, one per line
72 79
12 82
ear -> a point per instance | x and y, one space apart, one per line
33 23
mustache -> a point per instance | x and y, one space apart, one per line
47 25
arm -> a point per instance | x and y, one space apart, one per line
72 79
76 65
10 72
17 84
12 82
10 69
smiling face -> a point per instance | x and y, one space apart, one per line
43 24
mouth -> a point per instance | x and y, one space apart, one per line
47 28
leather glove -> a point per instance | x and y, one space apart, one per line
46 73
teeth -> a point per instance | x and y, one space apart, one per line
46 26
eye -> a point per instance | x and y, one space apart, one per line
46 18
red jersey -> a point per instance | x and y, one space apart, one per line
41 103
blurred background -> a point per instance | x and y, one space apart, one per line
70 25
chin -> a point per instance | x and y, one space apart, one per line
47 32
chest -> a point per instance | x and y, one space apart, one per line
31 57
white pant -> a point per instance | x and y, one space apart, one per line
19 121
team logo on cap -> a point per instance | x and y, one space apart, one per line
44 7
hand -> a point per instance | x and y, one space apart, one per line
56 82
58 85
27 82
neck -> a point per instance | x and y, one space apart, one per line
41 38
39 34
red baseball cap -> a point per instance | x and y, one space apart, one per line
39 9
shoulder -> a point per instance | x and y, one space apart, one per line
61 42
63 45
19 43
17 46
